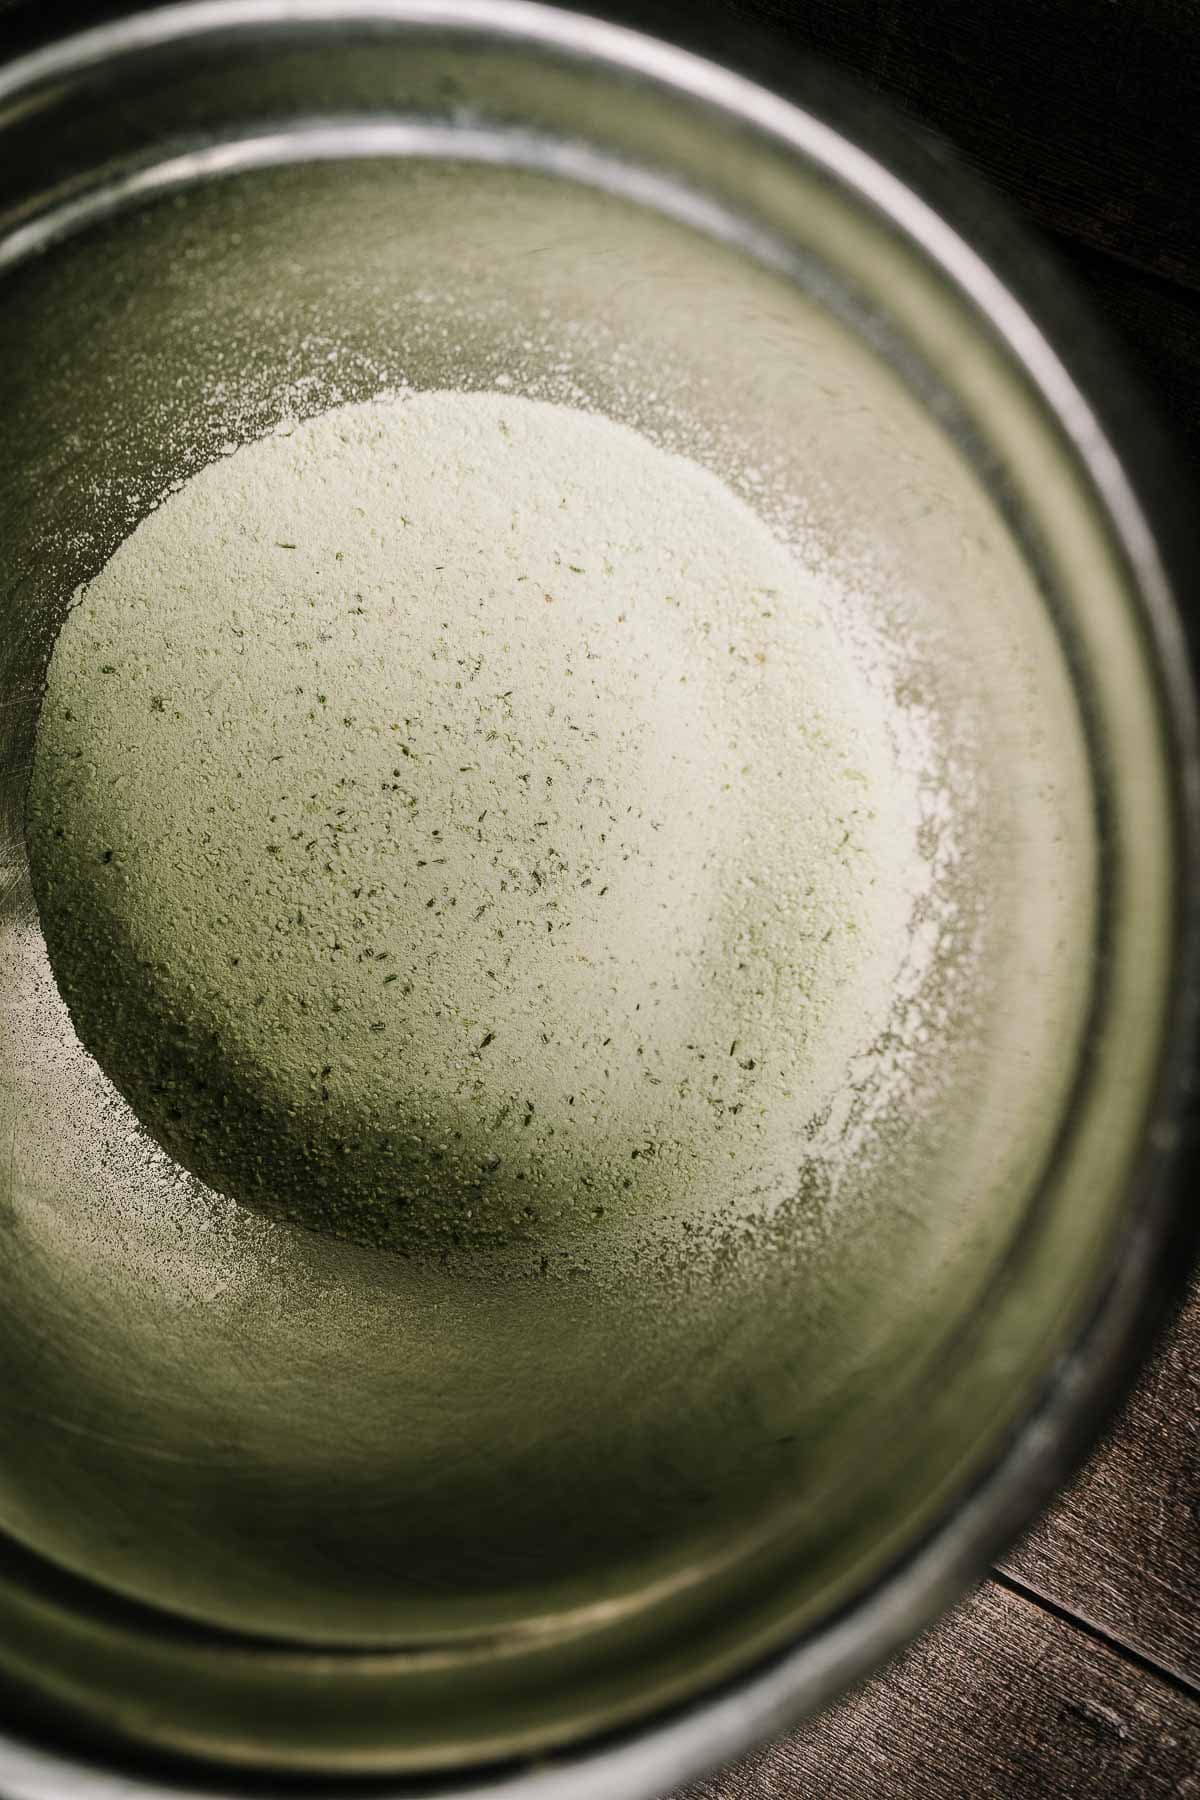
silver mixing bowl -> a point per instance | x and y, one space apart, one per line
274 1506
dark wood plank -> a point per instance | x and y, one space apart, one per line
1000 1699
1121 1550
1088 114
1083 121
1087 111
1155 325
1158 326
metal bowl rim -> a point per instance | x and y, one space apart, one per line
948 214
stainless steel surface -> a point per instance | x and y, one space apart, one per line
286 1505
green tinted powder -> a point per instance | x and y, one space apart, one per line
455 819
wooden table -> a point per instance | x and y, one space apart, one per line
1075 1670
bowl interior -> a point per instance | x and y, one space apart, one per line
448 1444
255 1428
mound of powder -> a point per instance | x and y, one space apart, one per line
455 819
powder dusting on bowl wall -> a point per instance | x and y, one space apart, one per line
458 823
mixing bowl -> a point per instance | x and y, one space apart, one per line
280 1506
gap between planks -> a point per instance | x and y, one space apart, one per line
1182 1684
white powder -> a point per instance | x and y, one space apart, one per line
455 818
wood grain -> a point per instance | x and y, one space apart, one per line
1087 114
1085 111
1000 1699
1158 326
1004 1697
1121 1550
